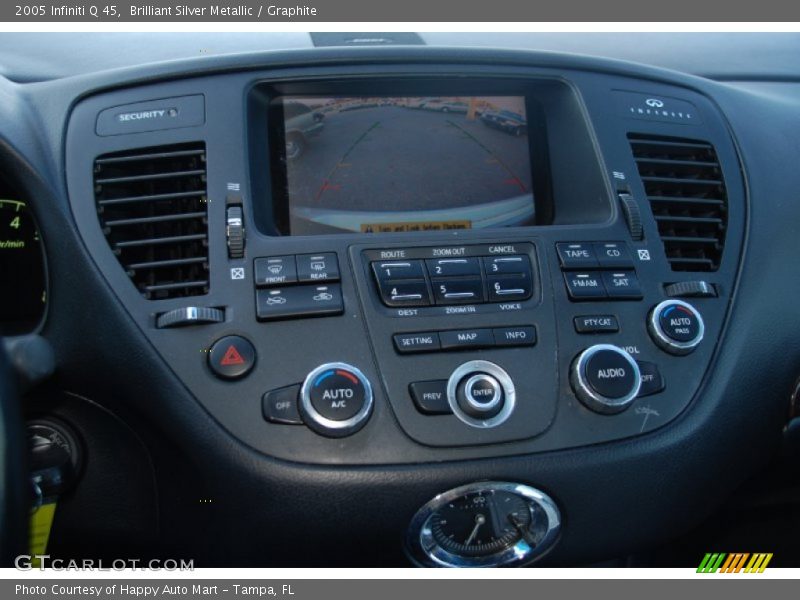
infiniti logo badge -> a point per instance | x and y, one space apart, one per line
654 102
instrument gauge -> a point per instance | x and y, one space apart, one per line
486 524
22 271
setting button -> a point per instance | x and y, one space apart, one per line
407 343
317 267
676 326
335 400
577 255
275 270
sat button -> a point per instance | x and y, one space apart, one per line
231 357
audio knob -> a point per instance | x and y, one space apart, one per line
605 378
335 400
481 394
676 327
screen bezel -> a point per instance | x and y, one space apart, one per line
266 121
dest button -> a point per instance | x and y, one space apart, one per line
231 357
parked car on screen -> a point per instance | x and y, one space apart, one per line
505 120
300 124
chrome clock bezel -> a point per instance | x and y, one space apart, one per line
425 551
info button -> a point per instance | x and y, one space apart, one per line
407 343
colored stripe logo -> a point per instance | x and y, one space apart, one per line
738 562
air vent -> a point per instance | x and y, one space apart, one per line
683 182
152 207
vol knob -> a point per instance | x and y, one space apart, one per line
605 378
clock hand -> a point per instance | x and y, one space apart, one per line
479 520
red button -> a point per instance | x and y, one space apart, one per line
231 357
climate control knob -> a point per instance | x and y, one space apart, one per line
676 326
605 378
481 394
336 400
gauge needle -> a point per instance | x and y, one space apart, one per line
479 520
520 527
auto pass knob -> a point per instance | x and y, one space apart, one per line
676 327
336 400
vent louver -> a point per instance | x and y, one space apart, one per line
684 184
152 206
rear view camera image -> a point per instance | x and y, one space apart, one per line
376 165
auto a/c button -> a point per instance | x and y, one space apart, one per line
336 400
337 394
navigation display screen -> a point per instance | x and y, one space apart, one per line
377 165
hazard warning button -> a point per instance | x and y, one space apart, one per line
231 357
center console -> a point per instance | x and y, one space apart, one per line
417 263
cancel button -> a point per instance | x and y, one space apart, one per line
610 375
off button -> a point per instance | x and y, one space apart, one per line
336 399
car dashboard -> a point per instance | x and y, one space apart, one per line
407 305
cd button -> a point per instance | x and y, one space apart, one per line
613 255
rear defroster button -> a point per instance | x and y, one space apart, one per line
336 400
